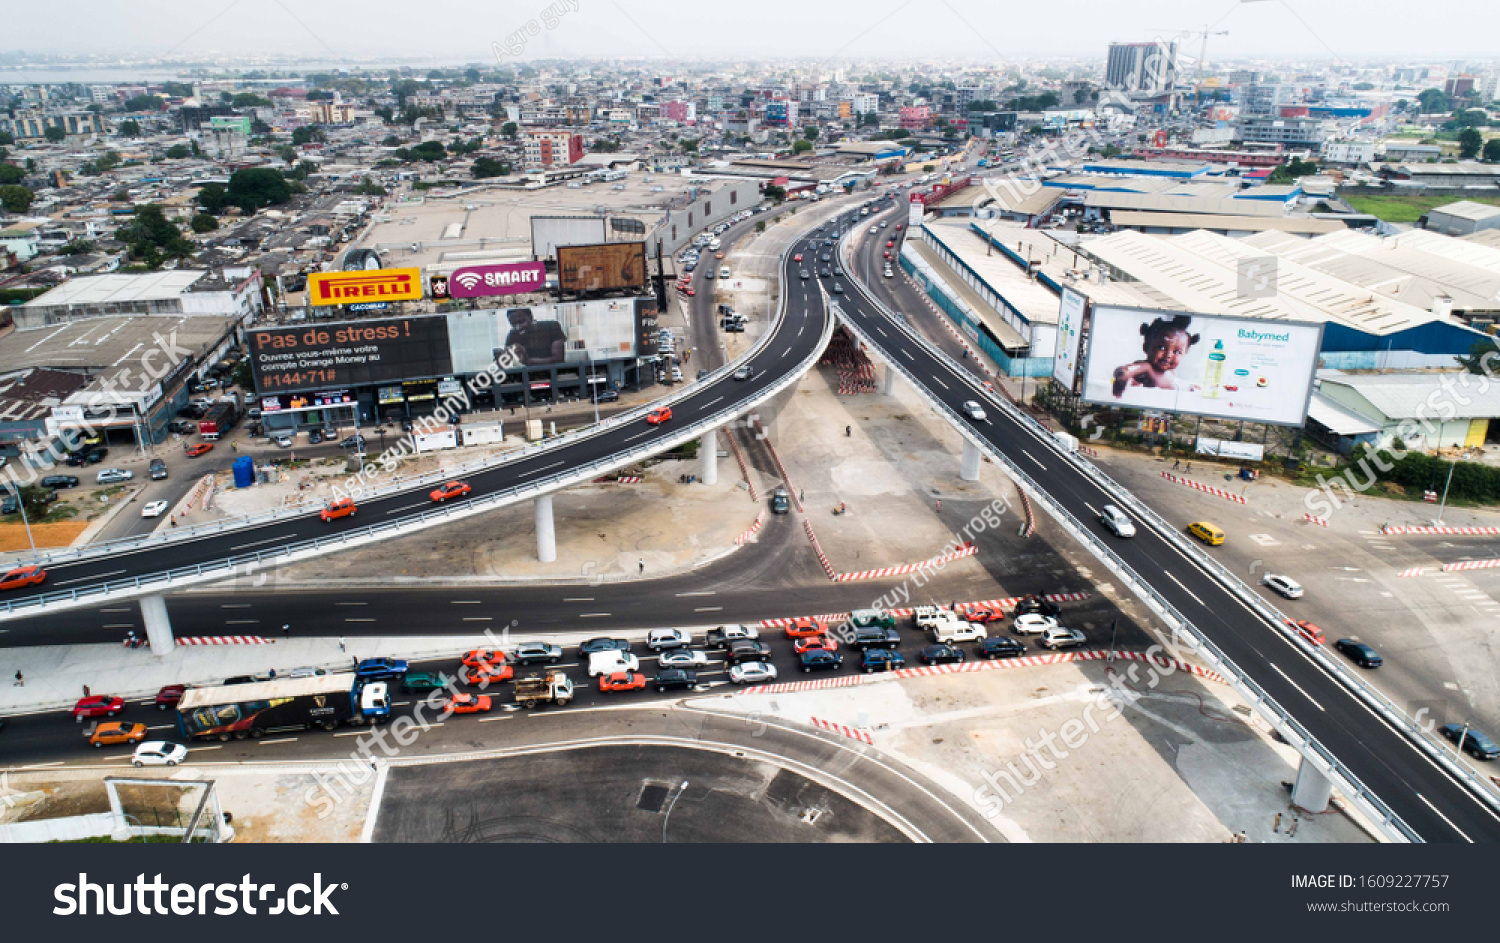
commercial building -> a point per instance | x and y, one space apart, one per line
30 124
1463 217
1465 174
1351 410
864 103
235 294
547 148
330 112
916 117
781 113
1285 132
1348 152
1142 70
1265 99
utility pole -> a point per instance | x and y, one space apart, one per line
1444 506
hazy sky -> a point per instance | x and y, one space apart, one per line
460 30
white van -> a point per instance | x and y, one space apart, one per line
723 271
715 245
605 663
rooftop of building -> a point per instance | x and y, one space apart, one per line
1468 209
1409 395
118 288
1033 300
110 346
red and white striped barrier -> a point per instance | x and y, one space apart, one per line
1460 531
818 549
968 550
744 468
1471 565
853 733
766 438
1314 519
621 480
1025 661
1412 571
225 640
1008 602
1030 527
750 534
1207 489
1088 451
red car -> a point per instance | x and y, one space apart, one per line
480 657
467 704
168 696
900 226
488 674
803 628
797 257
202 448
99 705
343 507
815 643
983 614
659 415
890 243
453 489
689 291
22 576
622 681
887 255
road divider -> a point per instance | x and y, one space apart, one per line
1206 489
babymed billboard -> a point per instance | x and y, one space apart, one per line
1206 365
1070 317
350 354
611 266
479 281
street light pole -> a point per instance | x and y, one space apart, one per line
15 489
1460 748
1444 506
680 790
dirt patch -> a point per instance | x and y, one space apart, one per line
61 534
147 804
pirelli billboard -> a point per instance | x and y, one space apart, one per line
374 285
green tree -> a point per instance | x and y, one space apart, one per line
249 100
427 150
1492 150
203 222
320 95
800 146
77 247
1432 100
7 139
775 193
489 167
1474 361
1469 143
869 120
391 140
256 187
509 129
810 132
368 187
130 128
983 104
10 175
307 134
55 134
153 238
1290 171
385 113
37 500
179 151
213 197
145 103
15 199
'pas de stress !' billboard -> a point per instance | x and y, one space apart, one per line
348 355
1205 365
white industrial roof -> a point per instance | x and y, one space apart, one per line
1467 209
1407 395
1337 417
118 288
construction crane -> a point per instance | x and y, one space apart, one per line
1202 35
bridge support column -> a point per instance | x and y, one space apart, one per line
968 468
888 382
158 626
546 534
1312 789
708 451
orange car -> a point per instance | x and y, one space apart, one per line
488 674
622 681
467 704
116 732
480 657
22 576
343 507
803 628
453 489
1308 631
659 415
815 643
202 448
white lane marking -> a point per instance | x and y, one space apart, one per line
351 604
940 383
41 765
710 609
282 740
591 615
788 351
801 329
85 579
235 622
227 605
1444 818
536 471
485 720
908 355
349 733
479 618
119 625
466 602
639 434
261 543
701 592
710 403
218 746
1034 459
127 609
407 508
882 331
1091 508
578 599
359 620
1294 684
1174 579
164 727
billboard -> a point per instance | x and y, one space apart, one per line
1206 365
295 402
549 232
373 285
608 267
1070 318
284 359
477 281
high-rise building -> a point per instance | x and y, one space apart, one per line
1265 99
864 103
1142 70
546 148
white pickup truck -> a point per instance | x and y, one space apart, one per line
929 616
956 630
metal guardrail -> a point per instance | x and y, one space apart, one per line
1352 787
230 566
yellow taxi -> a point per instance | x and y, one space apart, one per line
1206 532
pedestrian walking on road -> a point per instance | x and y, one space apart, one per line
642 564
286 631
848 432
940 505
1176 464
342 647
174 521
85 690
20 681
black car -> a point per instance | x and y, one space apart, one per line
1475 743
781 502
825 257
1001 646
881 659
819 660
675 678
91 457
1359 653
59 481
607 396
941 655
747 650
1036 605
585 649
802 273
353 442
874 636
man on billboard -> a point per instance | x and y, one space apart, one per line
535 342
1167 341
